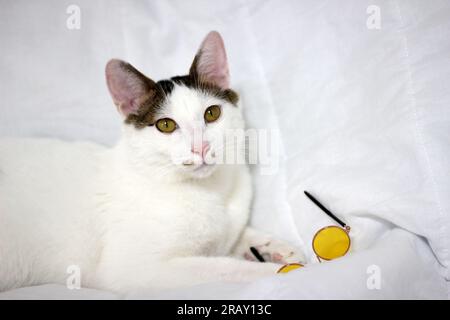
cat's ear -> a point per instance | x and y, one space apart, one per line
210 64
128 87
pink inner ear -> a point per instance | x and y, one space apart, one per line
212 65
125 87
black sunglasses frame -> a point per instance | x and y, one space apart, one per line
328 212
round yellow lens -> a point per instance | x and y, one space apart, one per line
212 113
289 267
166 125
331 243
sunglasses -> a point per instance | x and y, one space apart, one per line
329 243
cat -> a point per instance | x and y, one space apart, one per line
155 210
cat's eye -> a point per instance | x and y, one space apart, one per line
212 113
166 125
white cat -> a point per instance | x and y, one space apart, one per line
156 210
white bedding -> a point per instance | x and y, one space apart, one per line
363 116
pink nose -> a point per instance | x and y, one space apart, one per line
200 149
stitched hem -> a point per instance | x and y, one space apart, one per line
442 248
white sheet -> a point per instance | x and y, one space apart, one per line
362 114
346 278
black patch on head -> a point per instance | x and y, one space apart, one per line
147 112
166 85
191 81
182 80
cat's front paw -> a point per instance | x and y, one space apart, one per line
275 251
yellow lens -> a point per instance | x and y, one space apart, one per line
331 243
289 267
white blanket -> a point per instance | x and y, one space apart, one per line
360 104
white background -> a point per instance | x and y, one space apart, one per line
363 114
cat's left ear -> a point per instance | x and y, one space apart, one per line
210 64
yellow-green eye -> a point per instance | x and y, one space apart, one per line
212 113
166 125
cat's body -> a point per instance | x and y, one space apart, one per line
145 213
47 213
76 204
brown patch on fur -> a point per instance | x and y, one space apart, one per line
147 111
158 92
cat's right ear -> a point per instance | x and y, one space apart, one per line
128 87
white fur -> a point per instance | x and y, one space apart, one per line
128 216
152 211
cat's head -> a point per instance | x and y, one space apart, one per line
179 125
